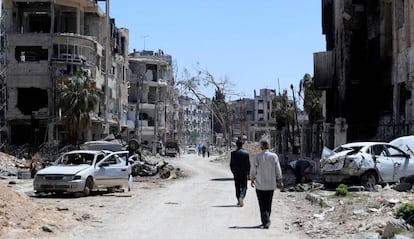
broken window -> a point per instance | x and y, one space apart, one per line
34 17
71 69
30 53
70 53
38 22
153 69
31 99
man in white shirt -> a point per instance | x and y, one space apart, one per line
266 176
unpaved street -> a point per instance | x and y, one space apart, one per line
201 205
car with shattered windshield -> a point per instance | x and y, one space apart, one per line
83 171
365 163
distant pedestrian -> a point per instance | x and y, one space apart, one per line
199 147
240 167
266 176
203 150
299 168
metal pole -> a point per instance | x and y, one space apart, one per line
137 106
107 46
154 144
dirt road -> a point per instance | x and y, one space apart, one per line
201 205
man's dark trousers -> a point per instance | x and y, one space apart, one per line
240 183
265 204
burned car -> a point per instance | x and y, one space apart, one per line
365 163
83 171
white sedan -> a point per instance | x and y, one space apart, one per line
366 163
84 171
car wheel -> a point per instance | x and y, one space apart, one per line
369 180
88 187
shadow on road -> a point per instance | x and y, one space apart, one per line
222 179
226 206
246 227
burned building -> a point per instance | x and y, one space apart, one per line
44 44
366 72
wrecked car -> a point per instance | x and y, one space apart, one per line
365 163
83 171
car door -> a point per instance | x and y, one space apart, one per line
383 163
403 164
113 170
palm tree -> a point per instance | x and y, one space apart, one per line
76 99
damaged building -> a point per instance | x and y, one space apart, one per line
193 121
44 44
150 97
366 73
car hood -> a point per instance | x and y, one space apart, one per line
63 169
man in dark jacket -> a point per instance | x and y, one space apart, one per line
299 168
240 167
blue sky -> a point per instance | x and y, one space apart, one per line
255 44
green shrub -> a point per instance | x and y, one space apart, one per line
341 190
405 211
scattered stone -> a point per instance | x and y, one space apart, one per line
371 235
394 226
317 199
402 187
359 211
86 216
356 188
46 229
62 209
393 201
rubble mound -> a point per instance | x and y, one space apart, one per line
21 218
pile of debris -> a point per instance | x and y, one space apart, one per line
360 214
10 165
20 218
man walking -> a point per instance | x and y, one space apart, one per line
266 176
240 167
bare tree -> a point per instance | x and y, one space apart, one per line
219 108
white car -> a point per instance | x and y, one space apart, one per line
365 163
406 143
191 150
83 171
